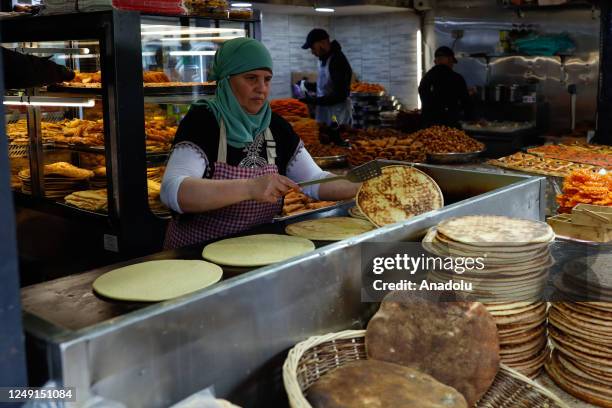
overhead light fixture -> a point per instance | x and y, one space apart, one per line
324 10
190 30
217 39
77 56
242 5
196 53
52 50
48 101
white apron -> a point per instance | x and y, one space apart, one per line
343 110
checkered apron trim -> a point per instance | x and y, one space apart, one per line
189 229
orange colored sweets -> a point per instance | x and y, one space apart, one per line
289 107
585 187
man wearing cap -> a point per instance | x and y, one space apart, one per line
444 94
334 81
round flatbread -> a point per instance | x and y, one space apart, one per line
401 192
329 229
256 250
372 383
454 342
494 230
155 281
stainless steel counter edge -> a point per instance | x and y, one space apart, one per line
68 336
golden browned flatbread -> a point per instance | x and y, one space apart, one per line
454 342
493 230
401 192
372 383
62 169
92 200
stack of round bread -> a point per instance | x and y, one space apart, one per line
515 259
587 278
511 257
521 327
581 361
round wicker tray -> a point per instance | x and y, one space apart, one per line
311 359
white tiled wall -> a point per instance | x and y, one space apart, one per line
381 49
284 36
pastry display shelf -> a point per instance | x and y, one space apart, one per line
56 208
180 93
120 42
152 157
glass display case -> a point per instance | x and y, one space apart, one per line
94 148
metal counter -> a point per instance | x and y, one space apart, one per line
235 335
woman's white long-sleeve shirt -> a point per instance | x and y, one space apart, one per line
188 160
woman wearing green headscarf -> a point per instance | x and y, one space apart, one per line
233 158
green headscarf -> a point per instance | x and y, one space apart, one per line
236 57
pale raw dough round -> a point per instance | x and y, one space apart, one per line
256 250
329 229
155 281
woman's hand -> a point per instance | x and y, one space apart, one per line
270 188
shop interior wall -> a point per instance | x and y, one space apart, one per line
381 48
481 25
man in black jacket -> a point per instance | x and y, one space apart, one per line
334 81
444 94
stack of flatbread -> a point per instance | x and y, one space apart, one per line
581 362
510 256
401 192
96 200
60 179
521 327
91 200
586 278
156 173
514 266
155 204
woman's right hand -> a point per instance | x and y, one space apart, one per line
270 187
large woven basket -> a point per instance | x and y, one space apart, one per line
312 358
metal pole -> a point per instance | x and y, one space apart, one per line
604 99
12 356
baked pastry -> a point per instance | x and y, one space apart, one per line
454 342
372 383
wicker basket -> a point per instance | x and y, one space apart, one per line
312 358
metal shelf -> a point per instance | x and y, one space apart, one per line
56 208
184 93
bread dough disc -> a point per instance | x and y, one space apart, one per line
329 229
256 250
155 281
